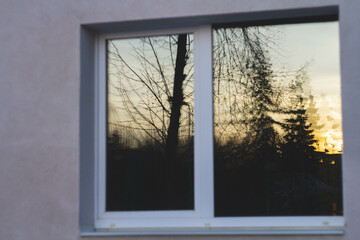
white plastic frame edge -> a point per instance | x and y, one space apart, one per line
201 220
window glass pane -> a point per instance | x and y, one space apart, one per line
150 124
277 120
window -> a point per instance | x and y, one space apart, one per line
150 124
219 128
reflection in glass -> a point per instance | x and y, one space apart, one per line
277 120
150 124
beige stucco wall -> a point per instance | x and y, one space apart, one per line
40 106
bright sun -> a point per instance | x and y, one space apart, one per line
330 141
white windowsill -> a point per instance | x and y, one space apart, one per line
92 232
330 225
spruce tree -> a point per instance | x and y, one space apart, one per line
298 150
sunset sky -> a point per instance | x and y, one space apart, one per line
316 44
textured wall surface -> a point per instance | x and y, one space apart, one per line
40 106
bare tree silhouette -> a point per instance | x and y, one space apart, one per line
153 81
263 126
153 91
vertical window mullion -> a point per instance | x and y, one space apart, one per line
101 125
204 166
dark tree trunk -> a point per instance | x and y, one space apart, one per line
176 100
172 175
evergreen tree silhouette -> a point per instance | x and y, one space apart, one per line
297 190
298 150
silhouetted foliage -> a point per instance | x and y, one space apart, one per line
265 158
156 173
243 165
266 163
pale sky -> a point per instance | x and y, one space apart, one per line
316 44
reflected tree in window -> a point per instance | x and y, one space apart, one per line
277 122
268 129
150 83
246 100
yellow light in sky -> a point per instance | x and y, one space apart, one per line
331 141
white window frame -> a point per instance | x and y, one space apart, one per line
201 220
